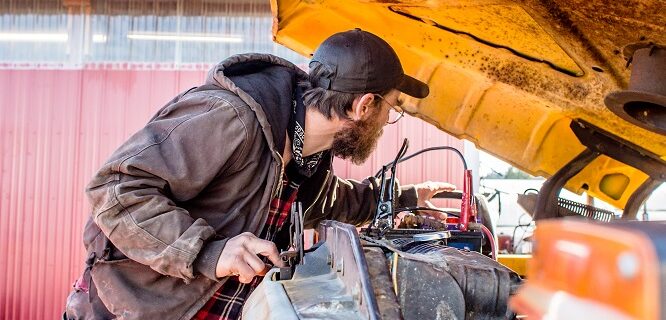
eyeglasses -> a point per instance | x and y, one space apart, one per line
396 112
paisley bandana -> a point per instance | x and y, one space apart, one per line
296 130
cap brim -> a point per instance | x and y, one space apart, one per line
413 87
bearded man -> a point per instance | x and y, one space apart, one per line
190 212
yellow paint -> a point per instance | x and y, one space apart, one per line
614 190
516 262
496 25
614 185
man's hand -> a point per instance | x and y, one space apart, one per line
425 191
239 257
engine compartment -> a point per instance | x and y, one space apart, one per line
351 276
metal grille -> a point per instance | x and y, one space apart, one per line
572 208
427 247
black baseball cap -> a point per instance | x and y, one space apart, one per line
358 61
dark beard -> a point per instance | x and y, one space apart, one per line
357 141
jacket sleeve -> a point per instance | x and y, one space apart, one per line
172 159
352 201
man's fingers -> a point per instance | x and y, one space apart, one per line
266 249
442 186
239 257
437 215
245 273
267 267
254 262
427 190
433 214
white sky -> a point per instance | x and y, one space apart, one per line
488 163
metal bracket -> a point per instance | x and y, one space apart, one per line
600 142
293 257
627 153
547 205
619 149
289 259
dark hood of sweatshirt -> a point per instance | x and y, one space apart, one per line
270 81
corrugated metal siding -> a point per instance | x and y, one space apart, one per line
54 135
58 126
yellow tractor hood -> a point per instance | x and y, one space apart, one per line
510 76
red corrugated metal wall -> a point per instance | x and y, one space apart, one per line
58 126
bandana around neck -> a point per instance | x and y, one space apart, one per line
296 130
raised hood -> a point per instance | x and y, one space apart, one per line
507 75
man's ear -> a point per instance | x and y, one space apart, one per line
361 106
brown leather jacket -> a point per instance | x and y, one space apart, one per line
203 170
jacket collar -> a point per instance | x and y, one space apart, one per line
240 73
